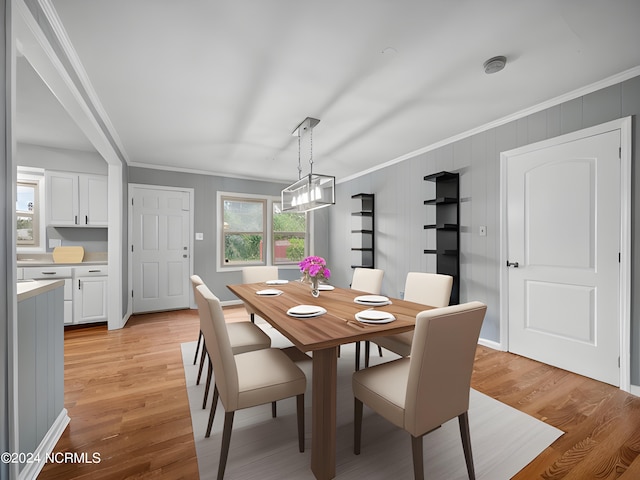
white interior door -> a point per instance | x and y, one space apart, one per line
161 249
563 231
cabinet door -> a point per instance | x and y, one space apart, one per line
62 198
90 299
93 200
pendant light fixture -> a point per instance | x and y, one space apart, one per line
311 191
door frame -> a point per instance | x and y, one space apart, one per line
131 187
624 126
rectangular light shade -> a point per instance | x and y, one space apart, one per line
311 192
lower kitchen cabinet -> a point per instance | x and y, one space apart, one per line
85 290
54 273
90 295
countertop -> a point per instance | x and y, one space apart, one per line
32 288
46 259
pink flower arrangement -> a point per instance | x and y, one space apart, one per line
315 267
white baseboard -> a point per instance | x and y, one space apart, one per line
635 390
48 443
490 344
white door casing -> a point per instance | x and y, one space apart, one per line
566 225
161 233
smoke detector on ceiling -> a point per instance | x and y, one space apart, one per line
495 64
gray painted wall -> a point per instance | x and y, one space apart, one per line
205 218
400 213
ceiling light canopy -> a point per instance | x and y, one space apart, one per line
311 191
495 64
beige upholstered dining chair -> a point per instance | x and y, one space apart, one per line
243 337
195 281
431 387
246 379
367 280
258 273
431 289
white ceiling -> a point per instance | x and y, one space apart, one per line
218 85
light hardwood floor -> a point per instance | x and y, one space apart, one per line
126 396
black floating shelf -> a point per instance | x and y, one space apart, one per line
362 214
442 176
441 252
441 201
363 232
444 226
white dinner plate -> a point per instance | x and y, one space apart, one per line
375 300
276 282
306 311
269 292
324 286
374 316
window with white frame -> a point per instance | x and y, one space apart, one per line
289 238
244 231
28 214
253 230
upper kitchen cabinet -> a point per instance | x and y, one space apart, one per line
76 199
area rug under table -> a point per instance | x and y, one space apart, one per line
504 440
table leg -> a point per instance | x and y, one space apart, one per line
323 419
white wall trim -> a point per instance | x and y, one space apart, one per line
35 46
196 171
607 82
624 126
490 344
48 443
115 319
78 68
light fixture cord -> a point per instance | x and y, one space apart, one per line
299 155
311 151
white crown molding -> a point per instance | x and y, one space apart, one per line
65 42
206 172
607 82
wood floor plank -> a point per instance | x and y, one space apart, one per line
126 396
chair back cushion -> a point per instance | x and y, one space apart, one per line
431 289
216 339
441 363
195 281
259 274
367 280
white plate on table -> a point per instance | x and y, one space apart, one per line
276 282
306 311
374 317
269 292
325 287
372 300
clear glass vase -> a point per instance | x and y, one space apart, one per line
314 287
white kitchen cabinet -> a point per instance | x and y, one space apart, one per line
90 294
76 199
54 273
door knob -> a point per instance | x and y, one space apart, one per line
512 264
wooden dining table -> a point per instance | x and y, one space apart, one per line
323 335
